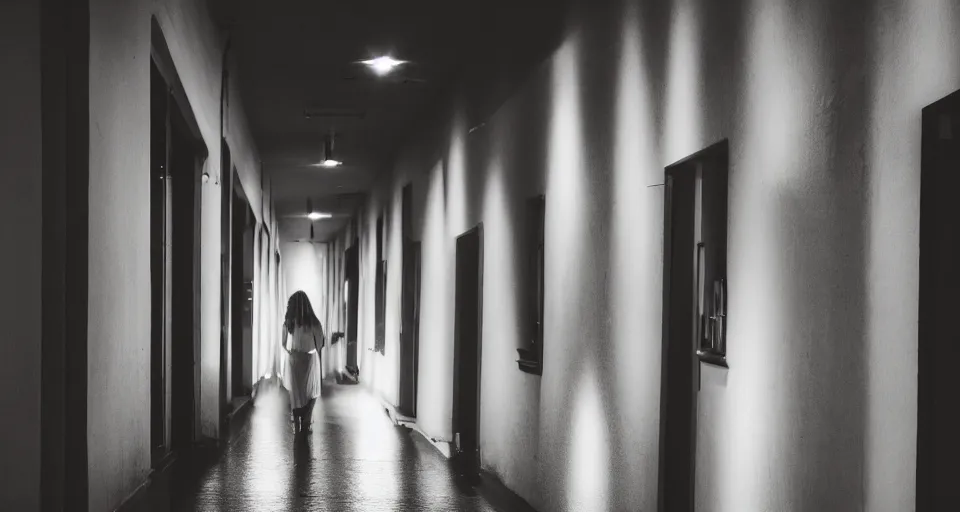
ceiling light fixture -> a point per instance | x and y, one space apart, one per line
383 65
318 215
328 160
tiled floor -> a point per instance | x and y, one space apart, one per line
356 459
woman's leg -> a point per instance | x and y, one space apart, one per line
308 415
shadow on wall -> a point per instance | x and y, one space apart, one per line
784 427
720 415
508 153
824 241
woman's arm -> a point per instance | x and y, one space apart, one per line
318 331
284 344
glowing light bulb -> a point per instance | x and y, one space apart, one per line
383 65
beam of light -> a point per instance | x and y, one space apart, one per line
567 213
573 474
435 396
684 130
636 262
456 180
588 469
501 325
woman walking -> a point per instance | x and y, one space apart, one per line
304 333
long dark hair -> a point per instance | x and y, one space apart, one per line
299 312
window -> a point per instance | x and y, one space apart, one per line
711 196
531 354
699 197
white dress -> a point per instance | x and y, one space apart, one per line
302 376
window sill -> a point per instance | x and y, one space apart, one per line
527 363
714 358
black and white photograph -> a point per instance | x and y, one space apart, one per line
479 255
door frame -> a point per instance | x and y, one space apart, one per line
667 313
696 358
227 171
177 99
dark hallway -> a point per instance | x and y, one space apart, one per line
710 262
355 460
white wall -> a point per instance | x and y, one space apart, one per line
334 314
917 47
821 105
119 317
20 229
118 393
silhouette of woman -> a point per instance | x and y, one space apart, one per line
303 331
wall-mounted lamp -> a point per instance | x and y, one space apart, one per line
205 177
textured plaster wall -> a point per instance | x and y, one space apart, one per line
20 230
821 105
119 317
118 393
916 61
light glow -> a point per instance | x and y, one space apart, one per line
383 65
328 163
588 473
318 216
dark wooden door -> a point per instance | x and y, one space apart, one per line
159 271
418 260
467 348
694 312
353 302
184 304
938 447
408 328
241 319
175 213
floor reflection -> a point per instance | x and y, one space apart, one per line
355 460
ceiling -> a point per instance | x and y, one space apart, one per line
300 78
